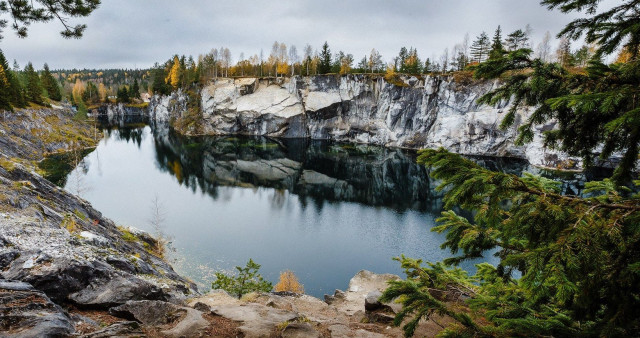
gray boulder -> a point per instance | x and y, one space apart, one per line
372 302
120 329
300 330
148 312
26 312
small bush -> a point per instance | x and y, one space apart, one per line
247 280
289 282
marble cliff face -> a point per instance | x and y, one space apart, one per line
412 112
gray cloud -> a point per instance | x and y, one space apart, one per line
137 33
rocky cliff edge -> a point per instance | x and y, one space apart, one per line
413 112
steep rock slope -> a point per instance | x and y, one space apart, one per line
60 249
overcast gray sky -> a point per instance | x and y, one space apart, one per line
137 33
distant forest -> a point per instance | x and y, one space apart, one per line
22 87
90 87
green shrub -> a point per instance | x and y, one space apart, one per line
247 280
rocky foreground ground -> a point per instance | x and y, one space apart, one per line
66 270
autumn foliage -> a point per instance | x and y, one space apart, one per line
288 282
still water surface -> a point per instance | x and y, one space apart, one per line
321 209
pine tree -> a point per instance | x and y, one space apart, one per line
50 84
247 280
516 40
324 67
5 89
15 90
90 94
24 13
429 66
33 87
582 56
122 96
409 61
134 91
159 86
480 48
189 71
577 258
400 59
497 49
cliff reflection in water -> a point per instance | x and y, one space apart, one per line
317 171
320 171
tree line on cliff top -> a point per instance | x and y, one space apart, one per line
184 71
21 87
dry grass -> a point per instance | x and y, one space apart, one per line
69 223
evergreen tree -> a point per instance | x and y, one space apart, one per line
337 62
159 86
577 257
33 87
183 71
581 56
429 66
134 92
516 40
189 71
324 67
458 58
409 61
497 49
91 94
122 96
50 84
480 48
400 59
24 13
247 280
15 92
5 89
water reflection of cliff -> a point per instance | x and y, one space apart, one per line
125 134
320 170
119 115
317 171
